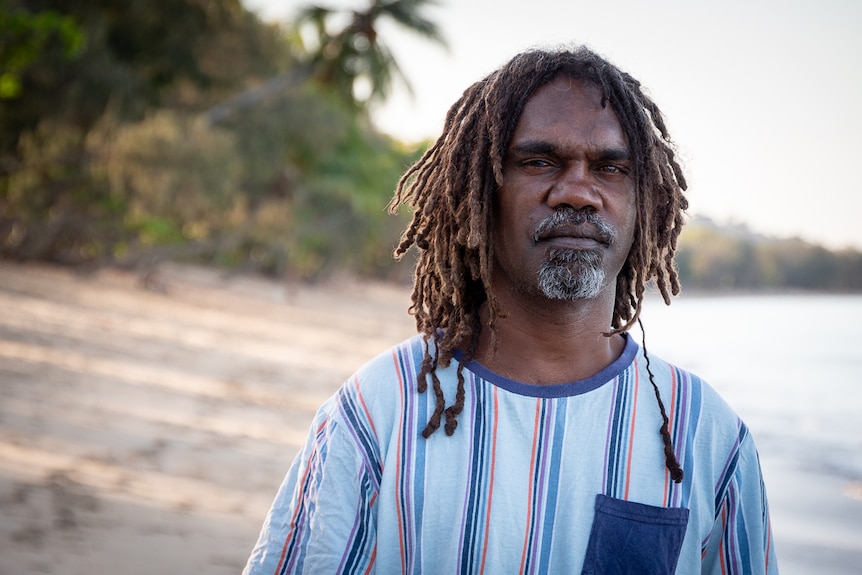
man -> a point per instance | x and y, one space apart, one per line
551 199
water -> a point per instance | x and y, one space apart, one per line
791 366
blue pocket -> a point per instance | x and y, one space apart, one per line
633 538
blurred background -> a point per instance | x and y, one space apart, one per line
192 205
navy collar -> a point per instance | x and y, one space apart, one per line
618 366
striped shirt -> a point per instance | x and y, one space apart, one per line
563 478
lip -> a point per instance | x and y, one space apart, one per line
575 236
573 242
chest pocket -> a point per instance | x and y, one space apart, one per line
633 538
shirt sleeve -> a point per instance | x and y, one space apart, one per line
322 519
741 539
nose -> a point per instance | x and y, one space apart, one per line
575 188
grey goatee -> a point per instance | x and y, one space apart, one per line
572 274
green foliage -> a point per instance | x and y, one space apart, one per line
23 38
133 56
174 176
59 197
324 207
731 257
347 216
107 153
49 206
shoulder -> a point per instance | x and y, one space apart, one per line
685 388
379 378
365 408
375 392
710 438
700 419
391 369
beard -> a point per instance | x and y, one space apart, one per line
570 275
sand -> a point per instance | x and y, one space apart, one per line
146 429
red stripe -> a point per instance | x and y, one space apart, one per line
721 541
302 483
368 417
490 487
401 543
532 468
631 437
670 431
371 561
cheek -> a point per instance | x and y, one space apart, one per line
628 223
631 225
506 214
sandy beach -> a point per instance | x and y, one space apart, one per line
145 430
145 426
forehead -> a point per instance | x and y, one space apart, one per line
572 111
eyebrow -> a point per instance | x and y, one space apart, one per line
535 147
541 147
615 154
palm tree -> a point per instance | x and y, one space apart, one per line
356 53
342 59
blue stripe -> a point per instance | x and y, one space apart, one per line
474 524
305 505
695 406
617 436
553 488
362 432
419 445
535 510
406 468
353 561
731 468
742 539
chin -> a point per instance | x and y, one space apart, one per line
560 282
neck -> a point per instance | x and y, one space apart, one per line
550 342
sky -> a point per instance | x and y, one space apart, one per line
762 97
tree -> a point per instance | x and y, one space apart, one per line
25 36
110 159
136 55
76 65
341 60
711 256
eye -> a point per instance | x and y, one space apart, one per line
537 163
613 169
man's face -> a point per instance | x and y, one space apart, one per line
565 214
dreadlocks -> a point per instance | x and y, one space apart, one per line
451 188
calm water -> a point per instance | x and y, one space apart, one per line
791 366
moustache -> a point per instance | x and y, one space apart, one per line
569 222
